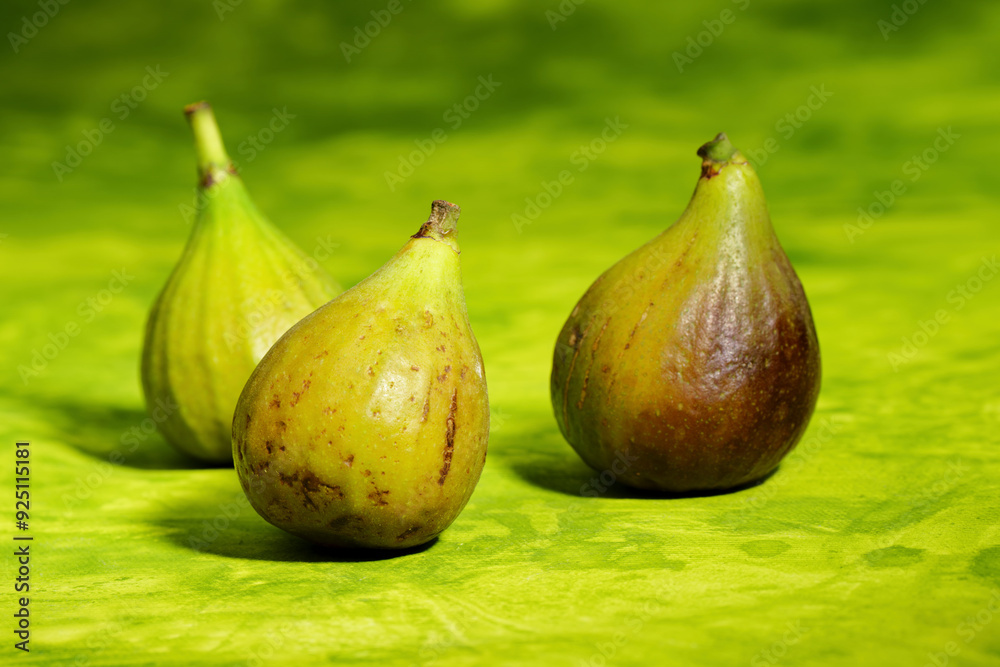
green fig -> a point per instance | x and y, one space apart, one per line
366 424
692 364
239 285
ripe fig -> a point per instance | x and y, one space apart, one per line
239 285
366 424
692 364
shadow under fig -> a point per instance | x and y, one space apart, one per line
101 430
222 522
568 474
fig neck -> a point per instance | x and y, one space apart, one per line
214 163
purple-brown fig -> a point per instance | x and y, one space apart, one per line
692 364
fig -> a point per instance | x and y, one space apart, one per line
366 424
692 364
239 285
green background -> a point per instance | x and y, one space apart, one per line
875 543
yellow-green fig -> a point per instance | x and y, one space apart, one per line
692 364
239 285
366 424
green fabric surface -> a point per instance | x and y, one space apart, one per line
875 543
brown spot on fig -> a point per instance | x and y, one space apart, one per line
427 406
322 354
275 402
440 348
406 533
329 410
444 376
428 319
572 364
349 461
282 426
574 337
378 497
248 421
366 473
295 398
414 368
307 500
342 521
593 353
449 438
370 371
310 482
462 374
268 446
281 447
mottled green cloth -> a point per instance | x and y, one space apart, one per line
876 543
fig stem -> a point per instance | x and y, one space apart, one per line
718 149
207 138
442 223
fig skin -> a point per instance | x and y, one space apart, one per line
693 363
366 425
238 286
